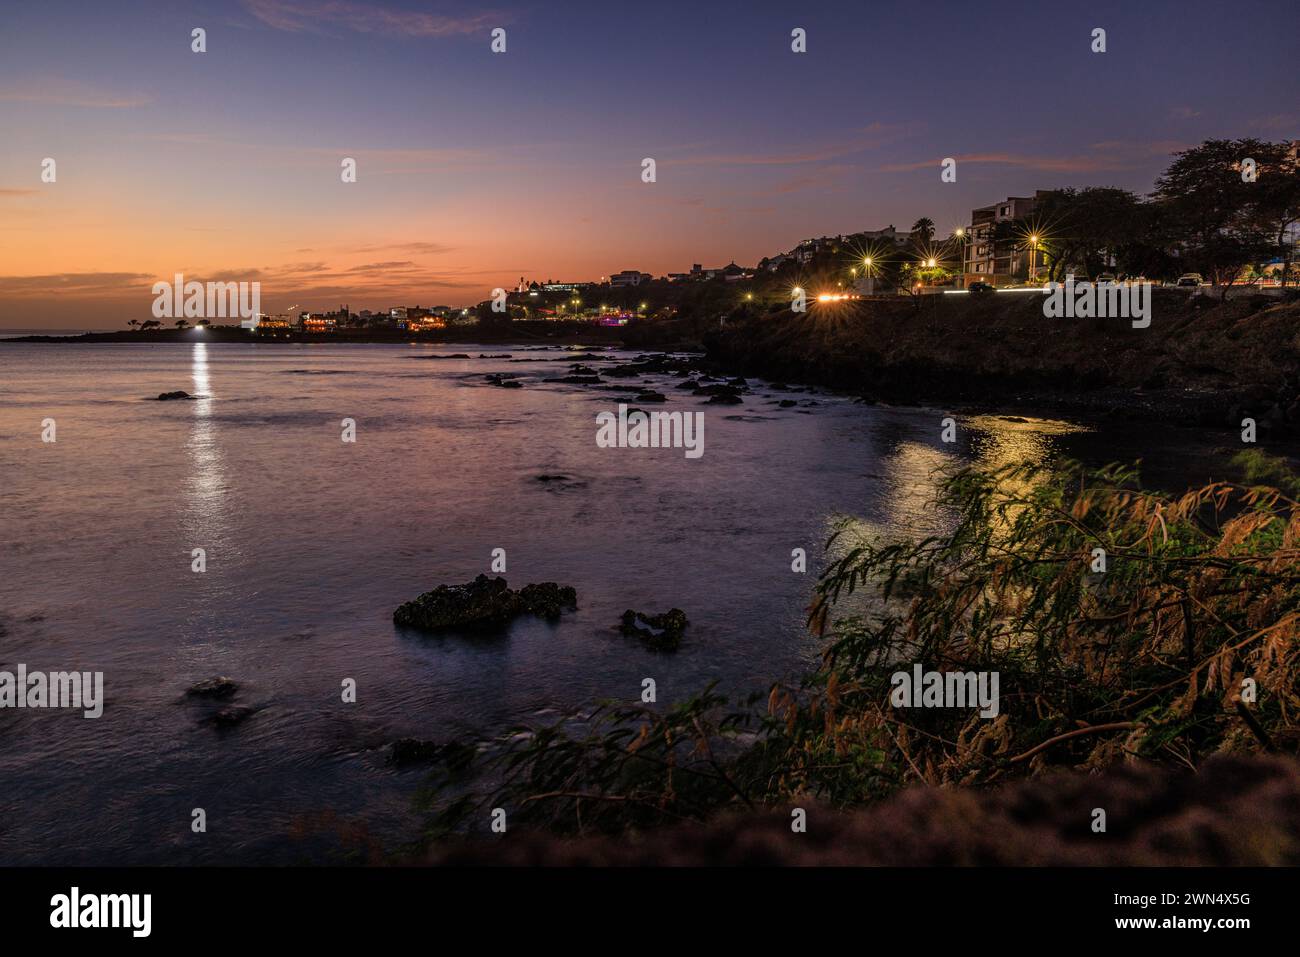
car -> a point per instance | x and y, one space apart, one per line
979 288
1190 279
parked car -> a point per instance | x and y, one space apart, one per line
979 288
1190 279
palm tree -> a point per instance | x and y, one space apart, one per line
181 324
133 323
923 230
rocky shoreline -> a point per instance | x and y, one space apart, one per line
1201 362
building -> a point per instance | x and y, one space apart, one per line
318 322
629 277
988 258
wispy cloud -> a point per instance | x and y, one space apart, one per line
1101 157
59 92
6 193
299 16
74 283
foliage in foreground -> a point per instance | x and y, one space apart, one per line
1147 660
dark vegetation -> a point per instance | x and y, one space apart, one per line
1180 646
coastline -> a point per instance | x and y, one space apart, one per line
1203 362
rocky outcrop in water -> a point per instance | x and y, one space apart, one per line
178 394
217 688
664 632
483 603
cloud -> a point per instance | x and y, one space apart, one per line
298 16
17 192
54 91
75 283
1102 157
868 138
410 247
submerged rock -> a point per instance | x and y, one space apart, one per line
482 603
408 751
664 632
219 687
178 394
229 717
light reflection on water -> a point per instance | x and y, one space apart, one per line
312 542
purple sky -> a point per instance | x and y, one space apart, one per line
477 168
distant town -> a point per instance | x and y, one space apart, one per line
1224 214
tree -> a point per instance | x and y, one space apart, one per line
133 323
1218 213
181 324
923 231
1086 230
150 324
1277 203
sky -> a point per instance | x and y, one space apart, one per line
477 168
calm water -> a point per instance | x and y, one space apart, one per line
311 543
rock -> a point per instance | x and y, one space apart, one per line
219 688
664 633
578 379
787 403
688 384
483 603
229 717
718 390
725 400
178 394
651 396
548 599
454 756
